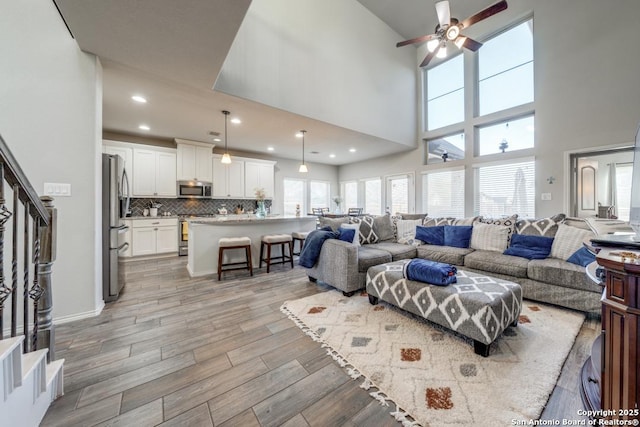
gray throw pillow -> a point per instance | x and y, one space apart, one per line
546 227
432 222
367 233
411 216
334 223
383 228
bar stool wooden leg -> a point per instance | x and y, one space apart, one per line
268 257
220 251
290 253
249 261
261 254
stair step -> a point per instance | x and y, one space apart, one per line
55 375
11 369
36 362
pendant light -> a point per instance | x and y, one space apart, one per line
303 166
226 158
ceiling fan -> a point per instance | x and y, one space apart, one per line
450 30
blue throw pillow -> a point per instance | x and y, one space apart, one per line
457 236
431 235
346 234
582 257
529 246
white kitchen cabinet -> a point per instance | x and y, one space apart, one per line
228 180
258 174
120 149
154 236
194 161
154 172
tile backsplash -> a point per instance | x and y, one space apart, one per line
194 206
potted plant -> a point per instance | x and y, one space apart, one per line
261 212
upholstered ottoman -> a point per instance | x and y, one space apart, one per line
478 306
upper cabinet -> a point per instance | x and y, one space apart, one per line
228 180
258 174
122 150
194 161
154 172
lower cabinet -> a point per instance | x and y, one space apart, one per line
154 236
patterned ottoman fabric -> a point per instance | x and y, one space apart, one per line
478 306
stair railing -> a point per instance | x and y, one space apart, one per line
37 232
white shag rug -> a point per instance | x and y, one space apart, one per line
432 377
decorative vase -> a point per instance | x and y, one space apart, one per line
153 211
261 212
338 211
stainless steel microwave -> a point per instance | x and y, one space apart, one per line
194 189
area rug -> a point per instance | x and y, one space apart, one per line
431 377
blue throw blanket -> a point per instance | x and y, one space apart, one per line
312 246
434 273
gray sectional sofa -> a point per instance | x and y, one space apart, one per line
553 280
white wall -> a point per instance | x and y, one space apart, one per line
331 60
587 89
50 117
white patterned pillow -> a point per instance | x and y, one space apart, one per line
546 227
568 240
407 228
367 234
489 237
432 222
509 222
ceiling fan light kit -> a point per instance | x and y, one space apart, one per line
449 30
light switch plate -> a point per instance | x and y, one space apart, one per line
545 196
57 189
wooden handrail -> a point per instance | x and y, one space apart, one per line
14 176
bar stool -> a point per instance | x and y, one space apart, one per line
298 236
234 243
276 239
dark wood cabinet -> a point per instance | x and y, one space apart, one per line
620 340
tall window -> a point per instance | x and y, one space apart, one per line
443 193
350 194
319 194
445 93
624 172
505 69
505 189
507 136
399 191
294 194
373 196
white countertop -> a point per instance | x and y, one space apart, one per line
152 217
245 218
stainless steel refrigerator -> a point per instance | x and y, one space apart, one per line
115 206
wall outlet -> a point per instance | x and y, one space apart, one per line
57 189
545 196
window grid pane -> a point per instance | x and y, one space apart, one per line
453 145
293 195
518 135
443 193
350 194
505 68
505 189
319 194
445 93
373 196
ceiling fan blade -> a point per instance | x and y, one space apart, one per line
428 58
469 43
444 13
416 40
484 14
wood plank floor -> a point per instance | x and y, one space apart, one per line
176 351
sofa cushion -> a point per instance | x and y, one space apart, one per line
493 262
457 236
568 240
334 223
529 246
546 227
433 235
561 273
446 254
383 228
398 251
488 237
369 256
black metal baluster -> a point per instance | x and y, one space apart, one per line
5 214
36 291
14 264
25 280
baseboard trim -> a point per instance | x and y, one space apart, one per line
79 316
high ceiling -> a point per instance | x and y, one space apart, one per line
171 52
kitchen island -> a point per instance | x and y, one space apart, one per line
204 234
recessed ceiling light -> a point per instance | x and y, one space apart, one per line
270 148
352 150
140 99
236 121
144 127
332 155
